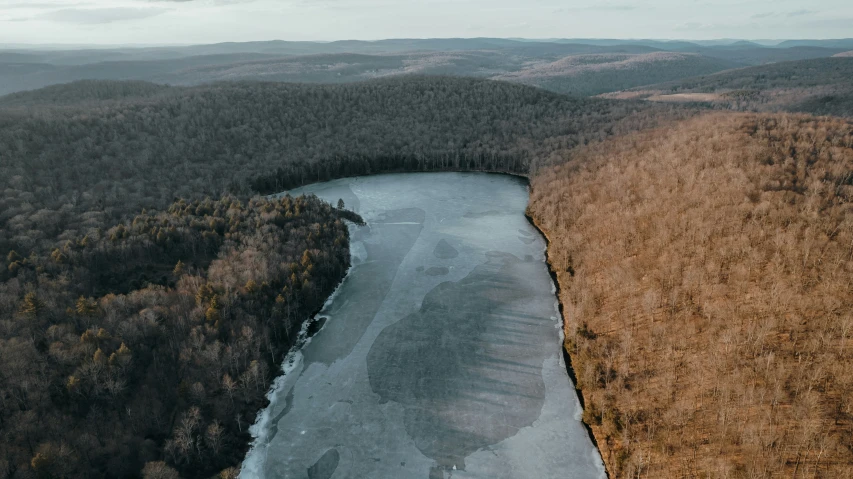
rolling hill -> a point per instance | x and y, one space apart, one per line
758 55
282 61
579 70
593 74
244 136
819 86
18 76
704 272
83 92
846 43
532 62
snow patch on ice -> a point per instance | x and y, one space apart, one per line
358 252
252 467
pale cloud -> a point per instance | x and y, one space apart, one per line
834 22
94 16
695 26
40 6
800 13
795 13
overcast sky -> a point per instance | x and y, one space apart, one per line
208 21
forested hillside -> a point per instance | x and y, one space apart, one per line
83 93
576 69
587 75
759 55
705 278
140 321
148 346
16 75
820 86
65 168
704 267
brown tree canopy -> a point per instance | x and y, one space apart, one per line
705 275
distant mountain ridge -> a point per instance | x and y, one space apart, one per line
594 70
355 60
839 43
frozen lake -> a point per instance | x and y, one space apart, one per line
440 355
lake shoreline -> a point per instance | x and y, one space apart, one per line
566 355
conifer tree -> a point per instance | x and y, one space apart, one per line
32 305
85 306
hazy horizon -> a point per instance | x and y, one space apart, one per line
761 41
187 22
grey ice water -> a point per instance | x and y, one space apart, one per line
441 352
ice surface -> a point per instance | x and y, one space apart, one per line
441 353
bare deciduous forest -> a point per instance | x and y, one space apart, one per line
156 339
705 275
148 297
141 321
